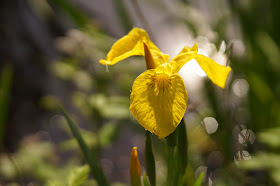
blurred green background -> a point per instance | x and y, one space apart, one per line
50 52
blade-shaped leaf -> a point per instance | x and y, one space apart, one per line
199 180
94 164
5 86
78 175
145 180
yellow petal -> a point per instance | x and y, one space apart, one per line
135 169
216 72
129 45
159 57
158 101
188 50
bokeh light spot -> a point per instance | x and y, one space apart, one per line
246 136
241 155
211 125
240 87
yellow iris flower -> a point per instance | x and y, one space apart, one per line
159 97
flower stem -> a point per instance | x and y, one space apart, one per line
150 159
171 141
170 168
182 147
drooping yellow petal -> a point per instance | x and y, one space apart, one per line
135 169
129 45
216 72
158 101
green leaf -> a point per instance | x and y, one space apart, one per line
123 14
94 164
71 144
270 137
182 147
54 183
145 180
78 16
107 134
5 86
78 175
150 159
118 106
199 180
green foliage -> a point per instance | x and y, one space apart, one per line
182 147
150 160
269 161
123 13
199 180
145 180
107 134
270 137
78 175
118 106
35 160
90 158
80 18
71 144
5 86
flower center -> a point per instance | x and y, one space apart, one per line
162 82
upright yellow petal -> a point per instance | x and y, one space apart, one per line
158 101
216 72
188 50
159 57
135 169
129 45
183 57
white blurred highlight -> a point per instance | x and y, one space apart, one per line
211 124
240 87
193 66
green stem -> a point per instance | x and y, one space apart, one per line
123 14
150 159
170 168
171 141
182 147
5 89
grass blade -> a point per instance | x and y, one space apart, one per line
199 180
94 164
5 86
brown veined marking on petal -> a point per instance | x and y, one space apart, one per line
162 82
